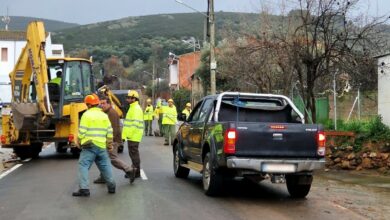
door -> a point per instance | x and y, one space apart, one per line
197 130
186 128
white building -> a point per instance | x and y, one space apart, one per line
11 45
384 87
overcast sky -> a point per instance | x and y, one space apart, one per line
91 11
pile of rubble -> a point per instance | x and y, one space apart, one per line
371 156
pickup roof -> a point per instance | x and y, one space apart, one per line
255 136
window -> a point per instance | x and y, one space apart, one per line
73 81
207 105
4 54
86 68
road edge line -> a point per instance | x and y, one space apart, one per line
143 175
10 170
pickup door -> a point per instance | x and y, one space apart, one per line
193 130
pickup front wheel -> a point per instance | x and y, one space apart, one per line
180 172
299 185
212 180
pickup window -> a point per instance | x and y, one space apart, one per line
256 110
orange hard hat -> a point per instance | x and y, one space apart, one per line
92 99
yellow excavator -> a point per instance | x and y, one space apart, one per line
45 109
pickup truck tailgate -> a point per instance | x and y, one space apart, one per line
276 140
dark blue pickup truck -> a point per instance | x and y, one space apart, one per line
255 136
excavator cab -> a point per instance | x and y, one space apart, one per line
76 82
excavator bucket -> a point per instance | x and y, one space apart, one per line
25 115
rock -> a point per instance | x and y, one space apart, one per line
373 155
353 163
337 160
385 156
359 168
364 155
366 163
349 148
382 170
351 156
345 164
326 170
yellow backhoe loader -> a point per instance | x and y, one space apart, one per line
45 109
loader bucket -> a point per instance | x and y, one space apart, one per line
25 115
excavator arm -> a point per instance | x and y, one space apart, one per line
31 68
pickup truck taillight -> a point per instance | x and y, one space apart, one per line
321 139
229 145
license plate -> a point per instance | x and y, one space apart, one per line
278 168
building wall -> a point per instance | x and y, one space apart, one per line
384 88
188 63
14 48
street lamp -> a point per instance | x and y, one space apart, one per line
151 74
213 62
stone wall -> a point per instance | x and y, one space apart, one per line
373 155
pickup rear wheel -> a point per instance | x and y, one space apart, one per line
180 172
298 186
212 180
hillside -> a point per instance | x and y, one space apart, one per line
134 36
19 23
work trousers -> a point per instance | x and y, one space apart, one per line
115 161
169 132
160 118
148 127
90 154
134 154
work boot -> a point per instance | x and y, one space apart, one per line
81 193
131 175
137 173
111 191
99 180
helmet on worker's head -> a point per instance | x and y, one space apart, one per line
170 100
133 93
148 100
188 104
92 99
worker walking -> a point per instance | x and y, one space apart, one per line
187 110
133 129
156 115
148 117
105 104
169 121
95 135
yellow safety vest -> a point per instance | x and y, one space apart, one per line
95 127
169 115
186 112
56 80
148 114
133 125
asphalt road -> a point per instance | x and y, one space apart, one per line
42 188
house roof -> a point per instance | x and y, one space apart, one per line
12 35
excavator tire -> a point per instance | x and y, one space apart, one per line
31 151
61 147
75 151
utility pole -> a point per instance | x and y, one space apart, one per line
213 62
